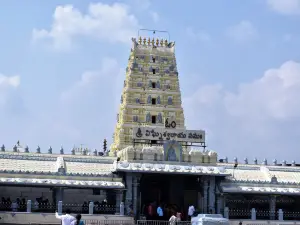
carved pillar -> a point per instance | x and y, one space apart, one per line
224 202
129 191
119 199
199 202
58 194
219 199
136 196
220 203
205 196
212 195
199 195
272 207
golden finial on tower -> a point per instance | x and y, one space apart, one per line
157 42
153 41
162 42
149 42
166 42
140 40
144 41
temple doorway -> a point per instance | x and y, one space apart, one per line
172 192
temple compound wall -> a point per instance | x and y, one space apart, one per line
132 177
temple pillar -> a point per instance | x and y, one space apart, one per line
212 195
205 196
129 191
119 199
58 194
272 207
219 199
136 196
200 201
220 203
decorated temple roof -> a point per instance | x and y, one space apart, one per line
245 173
236 188
58 170
62 182
51 164
264 179
170 167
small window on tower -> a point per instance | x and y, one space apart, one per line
153 119
153 85
153 70
153 101
154 142
153 59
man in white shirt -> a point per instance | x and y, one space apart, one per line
65 219
191 211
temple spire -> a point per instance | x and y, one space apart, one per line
151 92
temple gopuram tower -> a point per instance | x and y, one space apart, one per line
151 95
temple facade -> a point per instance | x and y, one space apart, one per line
153 159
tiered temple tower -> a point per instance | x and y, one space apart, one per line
151 92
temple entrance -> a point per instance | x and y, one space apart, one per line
172 192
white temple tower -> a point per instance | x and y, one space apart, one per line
151 92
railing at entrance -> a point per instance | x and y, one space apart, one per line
161 222
109 222
61 207
263 222
258 214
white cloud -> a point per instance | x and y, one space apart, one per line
261 119
112 23
12 81
7 84
109 71
144 7
85 113
90 105
285 7
198 35
242 32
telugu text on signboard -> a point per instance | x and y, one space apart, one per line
161 134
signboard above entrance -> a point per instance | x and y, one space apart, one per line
162 134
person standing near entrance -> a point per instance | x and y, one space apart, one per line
160 213
78 220
65 219
173 219
150 212
191 211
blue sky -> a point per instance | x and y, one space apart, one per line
62 70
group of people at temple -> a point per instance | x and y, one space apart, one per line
170 212
18 205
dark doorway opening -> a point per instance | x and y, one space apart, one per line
154 142
153 101
153 119
172 192
153 85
